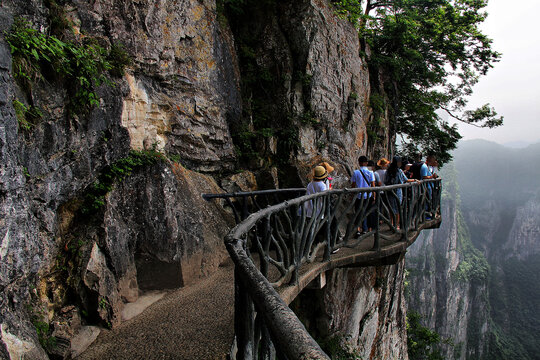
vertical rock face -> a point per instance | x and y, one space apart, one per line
181 97
185 88
177 98
363 307
448 282
338 93
524 234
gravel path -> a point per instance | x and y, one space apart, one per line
194 322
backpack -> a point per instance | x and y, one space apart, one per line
415 170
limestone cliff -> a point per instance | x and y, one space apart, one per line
364 307
86 221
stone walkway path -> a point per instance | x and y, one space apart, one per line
194 322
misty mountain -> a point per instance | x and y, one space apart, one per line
489 171
491 214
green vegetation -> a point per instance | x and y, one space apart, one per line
474 266
514 299
118 59
81 67
95 197
267 79
43 329
433 54
338 348
422 342
58 22
375 125
26 115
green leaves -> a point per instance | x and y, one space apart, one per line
422 343
432 53
122 168
83 67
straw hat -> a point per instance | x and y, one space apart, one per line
383 162
320 173
327 166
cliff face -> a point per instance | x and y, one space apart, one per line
448 281
514 255
189 97
364 307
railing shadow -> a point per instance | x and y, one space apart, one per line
272 245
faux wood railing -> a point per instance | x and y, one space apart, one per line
274 245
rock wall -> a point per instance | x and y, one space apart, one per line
182 98
363 307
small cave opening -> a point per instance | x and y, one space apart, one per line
155 274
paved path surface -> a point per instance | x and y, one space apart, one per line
194 322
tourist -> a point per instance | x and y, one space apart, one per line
329 168
396 176
426 173
416 166
371 167
382 164
313 208
363 178
318 184
425 170
406 167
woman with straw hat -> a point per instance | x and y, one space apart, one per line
318 184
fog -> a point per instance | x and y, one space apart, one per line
513 85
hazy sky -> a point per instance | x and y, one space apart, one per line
513 85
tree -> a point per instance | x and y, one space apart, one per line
422 343
431 53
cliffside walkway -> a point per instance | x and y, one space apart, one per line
194 322
275 253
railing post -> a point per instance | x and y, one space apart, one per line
244 320
405 214
377 236
268 352
245 212
328 248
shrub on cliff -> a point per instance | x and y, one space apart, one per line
82 67
421 341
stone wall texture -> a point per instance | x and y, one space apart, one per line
181 96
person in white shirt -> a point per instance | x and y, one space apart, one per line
382 164
318 184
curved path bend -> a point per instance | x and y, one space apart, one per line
194 322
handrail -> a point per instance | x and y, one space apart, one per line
247 203
287 236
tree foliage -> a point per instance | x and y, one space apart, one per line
421 341
431 53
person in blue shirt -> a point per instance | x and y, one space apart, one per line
426 173
395 176
363 178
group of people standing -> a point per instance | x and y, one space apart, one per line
382 173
